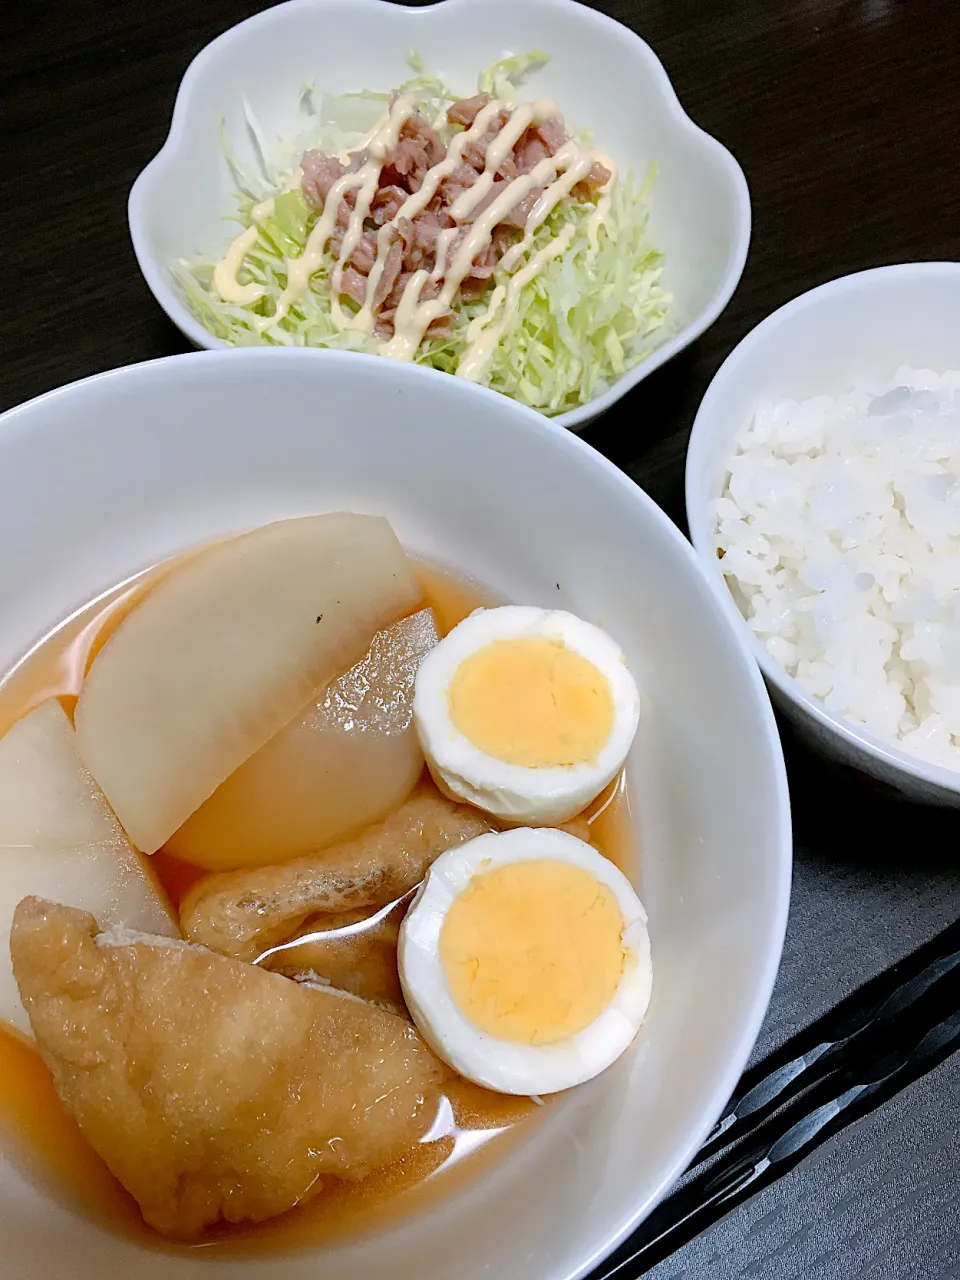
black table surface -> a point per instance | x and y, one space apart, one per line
845 115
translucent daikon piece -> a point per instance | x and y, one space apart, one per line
224 652
59 840
347 761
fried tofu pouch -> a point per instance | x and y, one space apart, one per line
214 1090
350 953
245 913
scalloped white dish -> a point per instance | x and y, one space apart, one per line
602 75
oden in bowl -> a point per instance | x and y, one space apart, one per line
112 476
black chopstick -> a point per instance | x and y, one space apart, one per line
881 1038
852 1029
783 1141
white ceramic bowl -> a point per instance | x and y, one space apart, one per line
863 325
604 77
110 475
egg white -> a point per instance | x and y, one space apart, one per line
516 793
503 1065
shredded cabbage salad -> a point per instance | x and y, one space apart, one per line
579 324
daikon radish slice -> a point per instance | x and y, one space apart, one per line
224 652
346 761
59 840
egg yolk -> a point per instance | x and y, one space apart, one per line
532 951
532 702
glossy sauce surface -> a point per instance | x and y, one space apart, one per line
45 1143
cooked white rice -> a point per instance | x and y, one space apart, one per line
839 528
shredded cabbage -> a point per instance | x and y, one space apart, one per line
501 80
579 324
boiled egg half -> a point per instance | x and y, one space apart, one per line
525 961
527 713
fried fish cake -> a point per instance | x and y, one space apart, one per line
214 1090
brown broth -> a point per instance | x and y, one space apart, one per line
474 1127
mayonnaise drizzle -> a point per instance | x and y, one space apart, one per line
452 160
378 148
299 270
225 272
578 164
602 208
501 148
346 156
416 203
555 176
444 241
413 318
483 336
267 208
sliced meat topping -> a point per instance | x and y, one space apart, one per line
530 152
441 326
481 272
414 244
419 238
320 172
598 177
387 203
552 133
354 285
430 290
391 273
475 154
392 300
365 254
418 149
517 217
346 207
424 135
540 141
467 109
452 187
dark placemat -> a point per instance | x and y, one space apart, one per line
880 1201
863 1054
873 878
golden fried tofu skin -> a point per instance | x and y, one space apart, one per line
245 913
355 951
212 1089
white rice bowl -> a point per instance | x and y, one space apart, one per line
839 530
